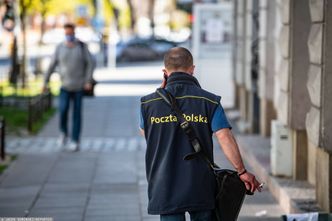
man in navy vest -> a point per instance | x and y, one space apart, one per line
176 186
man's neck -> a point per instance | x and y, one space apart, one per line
182 71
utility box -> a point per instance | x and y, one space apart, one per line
281 150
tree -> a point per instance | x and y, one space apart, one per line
43 12
44 8
24 5
132 15
151 15
114 12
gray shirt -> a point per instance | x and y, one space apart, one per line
74 64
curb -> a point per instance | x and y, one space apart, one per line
293 196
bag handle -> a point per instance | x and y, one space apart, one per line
187 129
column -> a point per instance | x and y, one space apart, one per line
248 81
319 119
267 26
299 103
235 52
241 56
249 105
293 99
283 72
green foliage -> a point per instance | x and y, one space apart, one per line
37 126
58 7
17 119
53 7
124 18
33 88
2 168
26 5
108 11
6 164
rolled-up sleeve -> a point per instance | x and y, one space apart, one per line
141 120
90 64
219 120
52 66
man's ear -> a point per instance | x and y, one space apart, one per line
191 70
166 72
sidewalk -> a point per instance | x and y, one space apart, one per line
104 181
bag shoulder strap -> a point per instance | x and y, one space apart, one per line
187 129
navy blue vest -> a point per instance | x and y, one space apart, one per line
176 185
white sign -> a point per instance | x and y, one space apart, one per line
212 29
212 49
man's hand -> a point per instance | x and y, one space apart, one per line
45 89
88 86
250 181
163 84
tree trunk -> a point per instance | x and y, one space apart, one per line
24 8
151 15
132 16
23 61
115 11
42 27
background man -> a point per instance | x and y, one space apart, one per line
75 66
176 186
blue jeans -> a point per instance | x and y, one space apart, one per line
194 216
64 103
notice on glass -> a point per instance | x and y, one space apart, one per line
214 30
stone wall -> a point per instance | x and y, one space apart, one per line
314 83
319 118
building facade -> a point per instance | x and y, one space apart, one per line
282 64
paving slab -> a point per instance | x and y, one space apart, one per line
59 214
103 117
65 189
60 201
16 211
73 168
16 201
28 170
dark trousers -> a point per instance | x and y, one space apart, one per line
194 216
65 98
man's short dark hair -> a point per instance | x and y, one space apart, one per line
178 58
69 25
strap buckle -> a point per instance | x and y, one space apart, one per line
184 125
197 146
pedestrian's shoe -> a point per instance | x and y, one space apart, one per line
73 146
62 140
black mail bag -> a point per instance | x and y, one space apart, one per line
230 195
231 190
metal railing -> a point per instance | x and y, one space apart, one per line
2 138
37 106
